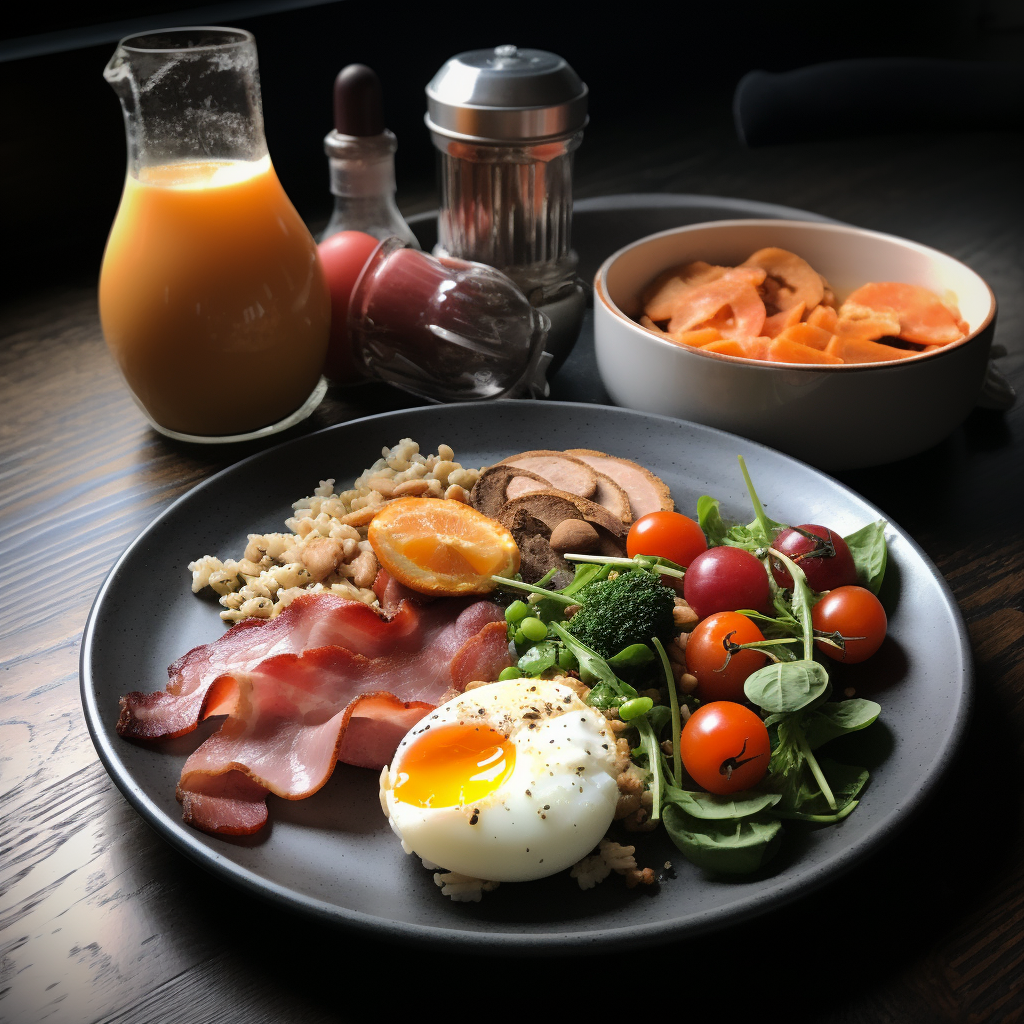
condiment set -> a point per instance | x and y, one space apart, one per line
211 295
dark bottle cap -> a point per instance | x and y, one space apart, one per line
358 101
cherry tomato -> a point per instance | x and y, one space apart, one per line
343 257
823 572
853 612
720 676
725 747
725 579
668 535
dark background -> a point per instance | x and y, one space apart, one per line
655 71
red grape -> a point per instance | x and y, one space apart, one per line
823 572
724 580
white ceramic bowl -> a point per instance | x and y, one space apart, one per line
836 417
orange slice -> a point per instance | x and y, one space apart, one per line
439 546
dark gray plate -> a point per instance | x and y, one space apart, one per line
334 856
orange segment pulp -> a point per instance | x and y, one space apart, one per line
440 546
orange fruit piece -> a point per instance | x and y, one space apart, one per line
440 546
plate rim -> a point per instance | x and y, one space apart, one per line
522 942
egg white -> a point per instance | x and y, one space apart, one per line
552 810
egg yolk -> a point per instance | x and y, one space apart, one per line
453 765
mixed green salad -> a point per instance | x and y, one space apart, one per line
732 747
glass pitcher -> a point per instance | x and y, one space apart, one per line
212 298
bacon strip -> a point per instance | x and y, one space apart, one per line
203 682
221 789
297 715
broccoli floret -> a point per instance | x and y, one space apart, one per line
632 608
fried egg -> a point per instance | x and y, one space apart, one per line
512 781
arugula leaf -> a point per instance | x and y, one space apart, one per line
657 562
827 721
710 807
593 668
659 716
764 529
729 847
539 658
867 545
603 696
717 531
585 573
786 686
709 518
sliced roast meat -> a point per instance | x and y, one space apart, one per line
489 492
564 473
647 493
520 485
613 497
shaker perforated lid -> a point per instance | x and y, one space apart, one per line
506 95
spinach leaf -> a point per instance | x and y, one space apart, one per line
710 807
786 686
632 659
827 721
729 847
867 545
539 658
846 781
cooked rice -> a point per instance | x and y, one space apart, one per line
462 888
326 550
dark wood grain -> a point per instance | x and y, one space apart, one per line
101 921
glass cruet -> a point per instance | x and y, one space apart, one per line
212 297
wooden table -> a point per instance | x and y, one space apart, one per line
101 920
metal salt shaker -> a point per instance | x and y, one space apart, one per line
506 123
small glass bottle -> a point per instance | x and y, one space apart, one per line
361 154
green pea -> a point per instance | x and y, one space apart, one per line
565 658
520 639
516 610
534 629
635 708
510 673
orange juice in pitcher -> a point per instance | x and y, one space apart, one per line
212 297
